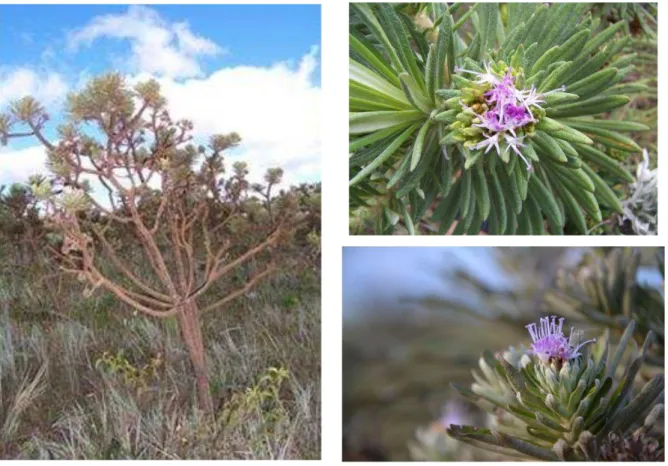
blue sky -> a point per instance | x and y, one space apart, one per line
217 64
375 279
251 34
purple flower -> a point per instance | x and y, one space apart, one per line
549 342
491 140
509 110
490 120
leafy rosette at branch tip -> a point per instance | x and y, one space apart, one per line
502 111
429 104
563 399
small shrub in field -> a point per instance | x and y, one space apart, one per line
191 221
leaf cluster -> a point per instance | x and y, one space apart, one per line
563 411
605 289
408 157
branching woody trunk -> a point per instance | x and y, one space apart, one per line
179 292
191 331
191 227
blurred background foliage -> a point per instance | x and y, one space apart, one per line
405 344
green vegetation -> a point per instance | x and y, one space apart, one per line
518 118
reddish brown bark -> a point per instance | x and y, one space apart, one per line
191 331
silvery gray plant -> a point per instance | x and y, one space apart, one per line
568 399
640 209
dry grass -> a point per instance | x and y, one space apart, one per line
100 383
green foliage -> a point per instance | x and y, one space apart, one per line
413 111
564 410
605 290
133 376
262 399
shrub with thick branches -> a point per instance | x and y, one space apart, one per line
123 172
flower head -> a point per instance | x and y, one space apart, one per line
550 344
509 110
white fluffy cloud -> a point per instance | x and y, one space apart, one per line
158 47
275 109
19 165
47 88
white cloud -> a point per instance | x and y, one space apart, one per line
48 88
158 47
275 109
16 166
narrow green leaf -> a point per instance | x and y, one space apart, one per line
592 84
408 222
554 79
391 149
446 211
572 135
612 125
449 93
360 74
573 46
545 60
621 347
526 448
447 29
603 161
497 197
549 125
397 34
548 147
627 144
366 14
487 16
364 141
366 50
367 122
585 198
591 106
414 94
556 98
545 199
532 208
549 423
361 91
631 412
482 193
603 192
466 192
431 75
419 144
602 38
511 191
573 210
